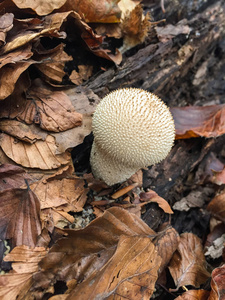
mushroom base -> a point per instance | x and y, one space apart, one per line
107 169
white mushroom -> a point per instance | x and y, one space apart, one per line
132 129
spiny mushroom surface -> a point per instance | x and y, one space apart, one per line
132 129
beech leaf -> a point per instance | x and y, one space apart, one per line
188 265
217 206
20 216
194 121
84 253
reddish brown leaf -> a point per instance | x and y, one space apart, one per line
170 238
9 75
83 253
187 266
217 207
11 176
154 197
194 295
103 11
131 272
194 121
217 284
20 216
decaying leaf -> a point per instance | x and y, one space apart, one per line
22 131
15 284
217 283
53 111
153 197
83 253
130 273
194 121
25 259
20 216
217 206
6 23
12 176
194 295
40 7
67 191
41 154
96 11
134 28
170 238
187 265
9 75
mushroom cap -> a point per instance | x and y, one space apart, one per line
132 129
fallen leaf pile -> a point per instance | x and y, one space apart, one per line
69 237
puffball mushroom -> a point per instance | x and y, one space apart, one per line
132 129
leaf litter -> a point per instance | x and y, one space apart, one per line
117 253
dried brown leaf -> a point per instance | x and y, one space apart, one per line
20 216
9 75
217 283
25 259
217 207
14 285
170 238
40 7
25 262
60 192
85 252
194 295
21 131
11 176
41 154
52 110
187 265
131 272
194 121
21 54
170 31
154 197
6 24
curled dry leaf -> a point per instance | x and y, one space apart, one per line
25 259
22 131
25 262
83 253
9 75
187 265
194 295
41 154
20 216
194 121
217 207
11 176
217 283
6 24
154 197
